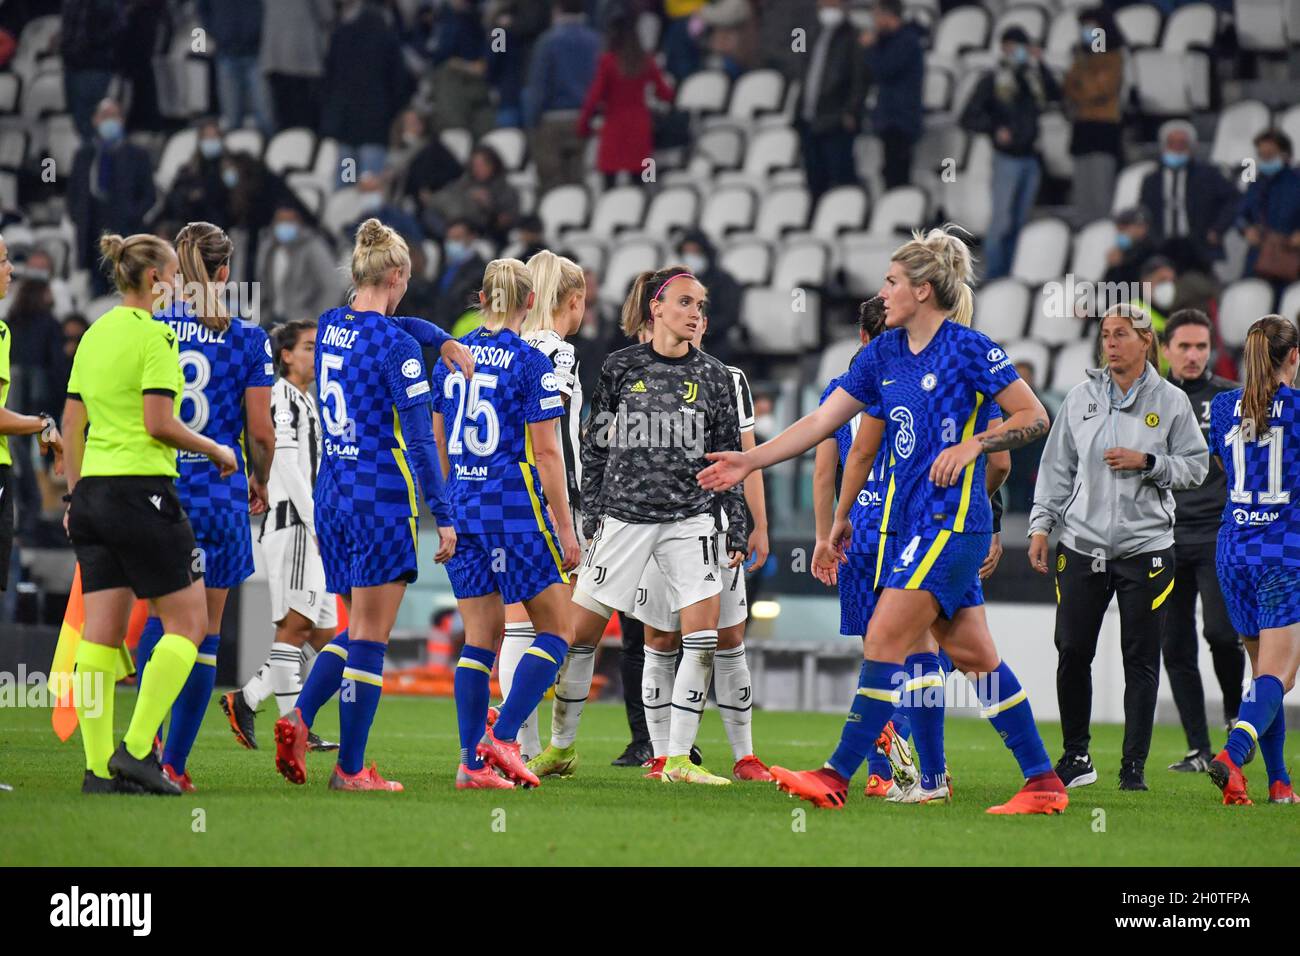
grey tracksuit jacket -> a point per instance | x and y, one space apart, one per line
1118 514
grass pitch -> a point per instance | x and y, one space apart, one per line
245 814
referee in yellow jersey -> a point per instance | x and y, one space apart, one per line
130 533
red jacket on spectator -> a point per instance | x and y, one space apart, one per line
626 139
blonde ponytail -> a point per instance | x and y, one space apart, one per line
132 257
378 250
506 284
555 278
202 249
942 259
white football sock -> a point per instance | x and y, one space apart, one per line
258 687
308 658
734 690
657 696
691 690
285 675
572 688
518 638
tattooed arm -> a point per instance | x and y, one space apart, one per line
1024 420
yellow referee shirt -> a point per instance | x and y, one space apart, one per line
123 355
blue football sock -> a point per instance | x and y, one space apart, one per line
902 723
324 678
473 679
924 704
535 673
1006 705
876 698
1259 707
363 685
1271 744
191 704
149 638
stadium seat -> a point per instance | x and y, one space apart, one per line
1170 83
937 89
1051 319
898 212
673 208
1091 244
968 199
836 358
748 261
704 92
1035 353
839 210
309 193
97 307
1001 308
563 207
459 141
34 42
61 140
586 251
290 149
627 259
722 145
13 148
342 209
1257 24
1289 120
961 28
1240 304
864 260
1190 27
1062 38
43 95
1234 131
805 263
1140 24
510 144
1070 367
756 92
728 210
1233 264
180 147
11 86
774 325
1128 184
782 211
1042 249
1029 17
1054 144
770 150
1289 305
617 209
248 141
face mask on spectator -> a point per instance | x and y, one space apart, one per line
1019 55
1087 34
110 130
1163 294
371 201
1174 160
455 249
1270 167
1124 241
830 17
286 232
210 148
37 275
696 262
230 176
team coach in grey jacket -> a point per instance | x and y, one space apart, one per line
1123 440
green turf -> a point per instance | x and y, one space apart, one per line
605 815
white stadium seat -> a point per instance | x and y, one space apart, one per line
864 258
672 208
248 141
342 208
176 153
1189 27
782 210
1042 249
1062 38
1001 309
1234 131
748 261
1072 364
836 358
898 211
959 29
1257 23
1052 320
968 198
727 210
1035 353
1091 244
627 259
1289 121
1169 84
1054 144
43 95
1128 184
1289 305
563 207
704 91
839 210
459 142
510 144
774 324
937 88
617 209
13 148
755 93
290 149
587 251
805 264
11 86
1140 24
723 146
1240 305
771 150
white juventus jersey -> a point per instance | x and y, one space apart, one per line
297 456
744 399
565 362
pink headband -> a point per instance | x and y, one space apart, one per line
679 275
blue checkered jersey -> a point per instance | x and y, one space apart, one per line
930 401
1261 517
367 370
494 485
865 514
218 367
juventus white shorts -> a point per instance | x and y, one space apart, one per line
685 553
297 577
652 597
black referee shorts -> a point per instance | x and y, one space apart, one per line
6 523
132 532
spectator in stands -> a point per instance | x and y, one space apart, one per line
235 27
299 274
462 273
1133 246
375 202
1006 104
255 194
1024 460
74 326
1269 215
148 25
592 342
624 73
421 299
562 68
198 193
1191 203
530 239
1092 89
483 195
681 53
733 35
896 64
35 359
834 88
295 34
420 163
698 255
39 267
523 22
111 189
361 104
89 36
459 58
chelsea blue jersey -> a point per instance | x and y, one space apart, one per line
1261 516
367 370
865 513
218 367
928 402
494 485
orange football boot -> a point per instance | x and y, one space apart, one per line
1279 792
751 768
291 747
822 788
505 754
877 786
181 780
1227 776
484 778
1043 794
367 778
